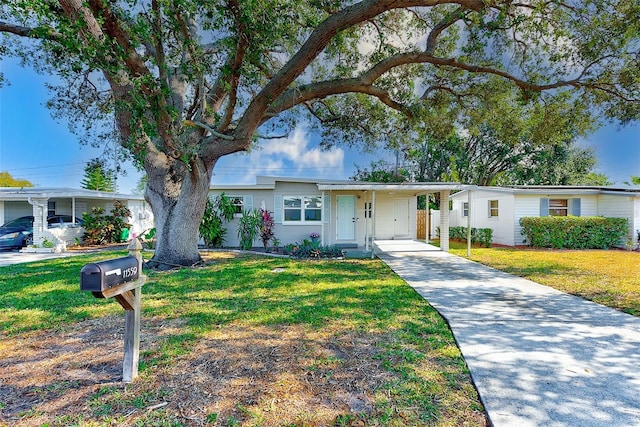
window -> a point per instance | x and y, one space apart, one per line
302 208
367 209
238 204
51 208
465 209
558 207
493 208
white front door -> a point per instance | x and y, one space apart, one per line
346 220
401 218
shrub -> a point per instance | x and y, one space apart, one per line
482 236
248 228
100 228
266 227
216 212
311 250
573 232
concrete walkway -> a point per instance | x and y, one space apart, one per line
15 257
538 357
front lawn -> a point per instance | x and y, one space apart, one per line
608 277
242 341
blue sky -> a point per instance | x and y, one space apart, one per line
34 146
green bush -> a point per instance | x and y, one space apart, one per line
308 249
482 236
216 213
574 232
100 228
249 228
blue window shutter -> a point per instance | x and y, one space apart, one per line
248 203
326 208
575 207
544 207
277 209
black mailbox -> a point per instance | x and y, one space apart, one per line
100 276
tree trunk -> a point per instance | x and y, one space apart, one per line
177 195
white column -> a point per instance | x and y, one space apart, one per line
426 218
366 222
468 223
444 220
39 219
373 220
323 220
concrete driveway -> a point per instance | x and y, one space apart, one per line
538 357
15 257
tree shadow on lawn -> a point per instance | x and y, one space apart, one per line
252 375
262 342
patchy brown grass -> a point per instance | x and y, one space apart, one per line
608 277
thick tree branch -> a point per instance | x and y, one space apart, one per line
236 64
316 43
303 94
448 21
35 33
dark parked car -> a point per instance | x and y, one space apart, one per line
18 233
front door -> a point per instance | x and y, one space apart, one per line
401 218
346 221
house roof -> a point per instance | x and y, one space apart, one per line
269 183
562 189
15 193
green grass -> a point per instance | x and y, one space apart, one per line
40 294
608 277
427 383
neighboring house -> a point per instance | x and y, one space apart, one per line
500 208
346 213
42 203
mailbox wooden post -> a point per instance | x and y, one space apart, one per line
122 280
132 322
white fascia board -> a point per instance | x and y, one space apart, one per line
246 187
8 193
413 187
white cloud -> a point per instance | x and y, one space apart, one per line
292 156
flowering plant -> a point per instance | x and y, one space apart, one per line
314 235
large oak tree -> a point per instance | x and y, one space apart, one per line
190 81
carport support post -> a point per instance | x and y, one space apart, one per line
132 322
468 223
444 220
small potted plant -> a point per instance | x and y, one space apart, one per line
315 237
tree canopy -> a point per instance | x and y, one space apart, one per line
188 81
6 180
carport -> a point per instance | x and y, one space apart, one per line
381 206
42 203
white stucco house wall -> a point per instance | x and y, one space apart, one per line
42 203
346 213
500 208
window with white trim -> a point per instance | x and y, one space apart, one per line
465 209
558 207
302 209
493 209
